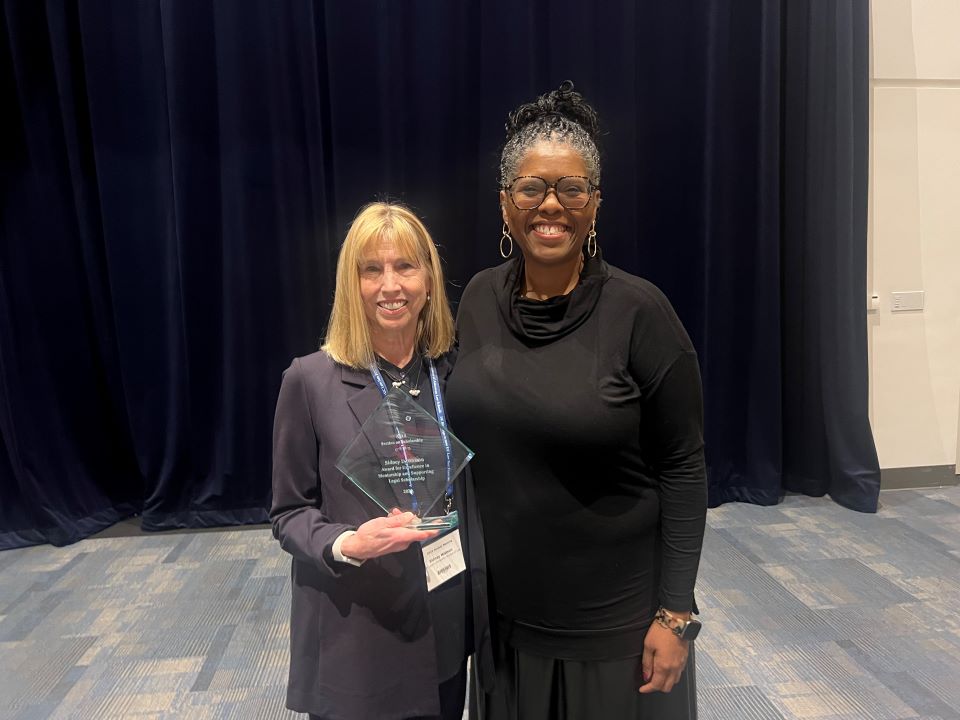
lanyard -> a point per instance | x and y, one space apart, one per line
441 420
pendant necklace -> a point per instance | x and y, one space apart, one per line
414 389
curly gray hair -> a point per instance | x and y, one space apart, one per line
560 115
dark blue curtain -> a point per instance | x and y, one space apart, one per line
177 178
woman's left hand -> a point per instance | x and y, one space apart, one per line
664 657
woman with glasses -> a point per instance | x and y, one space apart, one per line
369 636
579 390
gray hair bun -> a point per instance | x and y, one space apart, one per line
563 102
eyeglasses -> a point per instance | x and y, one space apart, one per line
529 191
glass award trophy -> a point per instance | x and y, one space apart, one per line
404 459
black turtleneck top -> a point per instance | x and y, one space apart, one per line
585 415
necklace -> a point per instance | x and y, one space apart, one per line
414 389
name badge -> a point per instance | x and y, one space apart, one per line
443 559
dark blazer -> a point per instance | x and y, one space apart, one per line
362 644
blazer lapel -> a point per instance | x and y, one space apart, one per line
363 395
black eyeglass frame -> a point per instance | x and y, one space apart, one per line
591 188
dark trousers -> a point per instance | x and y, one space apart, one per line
452 694
531 687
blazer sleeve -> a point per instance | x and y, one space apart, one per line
297 512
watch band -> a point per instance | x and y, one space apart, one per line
685 629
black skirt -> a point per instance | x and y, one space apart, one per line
531 687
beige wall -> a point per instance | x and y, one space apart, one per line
915 230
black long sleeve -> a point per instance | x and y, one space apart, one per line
671 436
585 414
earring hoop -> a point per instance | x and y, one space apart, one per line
506 236
592 240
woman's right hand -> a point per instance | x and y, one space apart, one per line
384 535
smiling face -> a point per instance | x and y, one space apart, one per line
393 286
550 234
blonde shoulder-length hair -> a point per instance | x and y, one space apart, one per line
348 332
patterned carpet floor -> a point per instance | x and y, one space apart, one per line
811 611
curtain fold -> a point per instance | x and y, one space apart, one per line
70 469
178 177
828 445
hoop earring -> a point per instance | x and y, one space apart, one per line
592 240
506 236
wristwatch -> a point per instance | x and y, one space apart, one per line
683 629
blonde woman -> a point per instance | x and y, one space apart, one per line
367 639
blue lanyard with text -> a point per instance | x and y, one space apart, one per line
441 419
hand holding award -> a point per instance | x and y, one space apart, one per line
385 535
